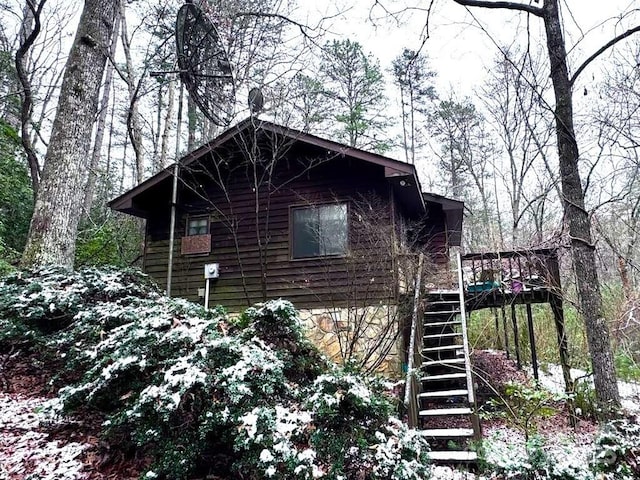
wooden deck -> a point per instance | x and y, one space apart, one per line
497 279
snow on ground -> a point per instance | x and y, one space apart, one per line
447 473
551 378
28 452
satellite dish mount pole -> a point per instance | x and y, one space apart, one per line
205 71
174 195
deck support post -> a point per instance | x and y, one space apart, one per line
558 316
504 328
532 343
497 324
514 321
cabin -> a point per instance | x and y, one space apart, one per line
279 213
264 211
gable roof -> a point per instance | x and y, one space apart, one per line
401 175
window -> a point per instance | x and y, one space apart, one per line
319 230
198 226
197 240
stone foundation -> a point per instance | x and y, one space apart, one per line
332 330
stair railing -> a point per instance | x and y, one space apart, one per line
414 360
465 337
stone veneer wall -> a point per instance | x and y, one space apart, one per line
323 327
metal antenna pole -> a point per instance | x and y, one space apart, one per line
174 195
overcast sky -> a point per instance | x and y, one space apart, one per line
461 44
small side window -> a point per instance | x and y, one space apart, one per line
197 239
197 226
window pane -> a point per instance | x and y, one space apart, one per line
198 226
320 230
333 229
305 233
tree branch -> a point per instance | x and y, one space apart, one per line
601 50
537 11
26 95
304 29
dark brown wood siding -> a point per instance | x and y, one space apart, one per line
245 213
434 234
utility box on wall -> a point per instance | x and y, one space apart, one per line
211 270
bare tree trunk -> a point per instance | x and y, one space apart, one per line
29 31
133 116
100 126
167 127
107 184
54 225
576 215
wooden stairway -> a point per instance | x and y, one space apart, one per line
445 396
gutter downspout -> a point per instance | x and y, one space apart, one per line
174 195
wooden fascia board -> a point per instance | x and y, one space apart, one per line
394 172
125 201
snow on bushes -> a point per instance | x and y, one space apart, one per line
198 393
504 455
618 451
615 455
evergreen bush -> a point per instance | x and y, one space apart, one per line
617 455
198 393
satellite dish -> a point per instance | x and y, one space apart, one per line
256 100
204 66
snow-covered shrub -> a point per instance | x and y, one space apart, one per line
275 319
617 454
274 441
532 460
178 389
278 324
341 431
48 298
340 397
400 454
348 410
195 392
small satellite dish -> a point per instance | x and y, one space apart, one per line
256 100
204 66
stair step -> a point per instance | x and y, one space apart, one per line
444 376
442 412
444 393
450 361
444 348
444 335
442 324
444 302
442 312
448 432
453 456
